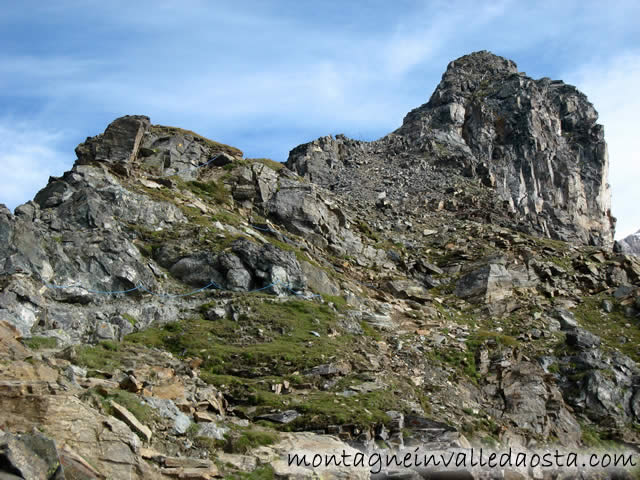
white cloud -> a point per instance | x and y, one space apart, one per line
249 67
28 156
611 86
428 30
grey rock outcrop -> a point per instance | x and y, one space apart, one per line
493 283
77 234
534 405
531 149
303 209
166 151
30 456
117 146
77 427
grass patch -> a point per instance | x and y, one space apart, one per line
40 343
130 318
369 331
463 362
300 256
106 355
210 190
226 217
338 301
238 440
242 441
273 338
264 472
364 228
272 164
320 409
610 327
563 262
145 250
272 342
592 438
144 413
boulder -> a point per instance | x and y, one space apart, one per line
167 409
318 280
198 269
31 456
407 289
117 146
127 417
535 405
270 266
566 318
489 284
582 339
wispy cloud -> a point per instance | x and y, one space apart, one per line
28 156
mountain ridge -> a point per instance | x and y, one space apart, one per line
216 312
535 143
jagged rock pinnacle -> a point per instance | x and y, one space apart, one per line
533 147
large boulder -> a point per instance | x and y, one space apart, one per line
491 284
118 145
270 267
32 456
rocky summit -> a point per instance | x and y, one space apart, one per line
172 309
491 144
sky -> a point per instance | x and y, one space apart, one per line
266 76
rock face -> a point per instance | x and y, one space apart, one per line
532 146
118 145
170 309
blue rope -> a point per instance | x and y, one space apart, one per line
176 295
142 288
263 229
205 164
99 292
270 230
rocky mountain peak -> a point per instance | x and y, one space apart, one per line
520 152
481 62
468 73
198 314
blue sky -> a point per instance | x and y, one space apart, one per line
266 76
